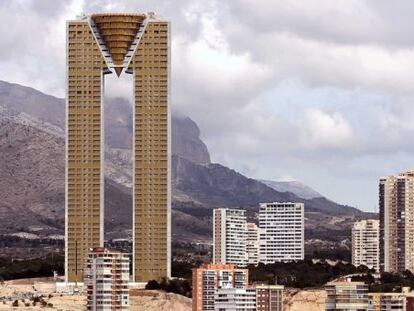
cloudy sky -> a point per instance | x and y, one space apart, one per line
319 91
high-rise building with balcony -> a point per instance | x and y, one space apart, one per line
365 244
97 45
282 232
396 209
210 277
252 243
229 236
106 280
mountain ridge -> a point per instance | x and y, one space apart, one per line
32 148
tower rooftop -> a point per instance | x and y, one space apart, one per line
117 32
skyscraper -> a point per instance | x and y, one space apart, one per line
229 236
365 244
97 45
282 228
396 208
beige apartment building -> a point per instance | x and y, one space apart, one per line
208 278
97 45
346 296
402 301
365 244
396 208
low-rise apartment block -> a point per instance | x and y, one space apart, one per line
346 296
208 278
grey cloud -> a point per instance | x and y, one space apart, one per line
227 55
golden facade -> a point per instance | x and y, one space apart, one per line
97 45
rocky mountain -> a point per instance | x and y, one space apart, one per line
295 187
32 174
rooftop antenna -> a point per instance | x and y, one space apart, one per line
81 16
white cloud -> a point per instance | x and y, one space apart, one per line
348 109
325 131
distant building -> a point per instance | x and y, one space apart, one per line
396 208
269 297
403 301
346 296
252 243
106 280
210 277
229 236
235 299
365 244
282 234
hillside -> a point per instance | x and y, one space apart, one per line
296 187
32 174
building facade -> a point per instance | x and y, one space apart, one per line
346 296
235 299
403 301
229 236
97 45
269 297
396 209
106 280
282 232
365 244
210 277
252 243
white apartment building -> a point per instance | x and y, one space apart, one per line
365 244
282 233
235 299
229 236
106 278
252 243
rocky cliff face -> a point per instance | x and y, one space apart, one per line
186 141
50 111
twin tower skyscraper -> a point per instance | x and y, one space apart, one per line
97 45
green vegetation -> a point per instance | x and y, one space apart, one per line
40 267
388 282
177 286
301 274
